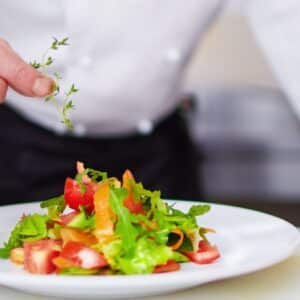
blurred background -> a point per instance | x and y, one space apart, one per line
243 121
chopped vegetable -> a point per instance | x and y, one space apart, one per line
101 227
29 228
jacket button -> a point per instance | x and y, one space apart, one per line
173 55
85 61
145 127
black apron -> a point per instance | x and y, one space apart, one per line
34 162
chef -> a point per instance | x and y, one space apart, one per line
127 58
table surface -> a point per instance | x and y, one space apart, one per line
275 283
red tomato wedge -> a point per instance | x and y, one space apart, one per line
206 253
133 206
75 198
170 266
82 256
38 256
203 246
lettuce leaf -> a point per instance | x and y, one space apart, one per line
29 228
55 206
83 221
146 256
124 227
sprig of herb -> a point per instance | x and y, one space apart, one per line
43 65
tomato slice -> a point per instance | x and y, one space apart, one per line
206 253
170 266
133 206
82 256
38 256
75 198
203 246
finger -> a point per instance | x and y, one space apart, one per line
3 90
22 77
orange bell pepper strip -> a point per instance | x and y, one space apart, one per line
104 215
62 263
75 235
132 205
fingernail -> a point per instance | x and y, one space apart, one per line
42 86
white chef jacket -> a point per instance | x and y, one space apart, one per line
127 57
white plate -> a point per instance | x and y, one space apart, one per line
248 241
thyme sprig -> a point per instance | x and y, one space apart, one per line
43 66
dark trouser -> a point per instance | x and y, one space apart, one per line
35 162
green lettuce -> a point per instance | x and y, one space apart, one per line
29 228
55 206
124 227
146 255
83 221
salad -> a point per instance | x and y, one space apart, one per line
102 225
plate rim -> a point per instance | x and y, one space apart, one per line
10 279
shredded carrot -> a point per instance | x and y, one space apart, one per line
180 240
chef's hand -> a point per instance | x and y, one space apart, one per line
20 76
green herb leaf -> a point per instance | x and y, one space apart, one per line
72 90
49 61
35 64
46 61
198 210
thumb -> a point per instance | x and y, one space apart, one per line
20 76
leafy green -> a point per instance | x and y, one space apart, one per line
198 210
55 206
29 228
83 221
147 254
186 245
55 201
96 175
54 232
112 251
124 227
